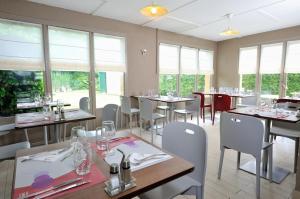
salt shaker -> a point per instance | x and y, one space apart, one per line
114 176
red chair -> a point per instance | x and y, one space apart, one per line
203 106
221 103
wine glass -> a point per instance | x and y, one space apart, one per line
109 132
46 112
101 139
77 132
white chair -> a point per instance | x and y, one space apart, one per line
245 135
163 108
146 114
288 130
191 108
110 113
8 151
193 150
127 110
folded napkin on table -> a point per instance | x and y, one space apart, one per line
49 156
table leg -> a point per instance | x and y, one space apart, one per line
46 135
171 109
26 135
57 132
266 139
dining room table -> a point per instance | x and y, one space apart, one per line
39 119
49 174
268 114
171 102
24 106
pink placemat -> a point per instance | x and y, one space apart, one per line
43 182
113 144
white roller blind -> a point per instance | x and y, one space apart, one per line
168 59
189 63
69 50
292 64
248 60
206 62
21 46
271 56
110 54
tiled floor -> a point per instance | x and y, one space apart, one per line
237 184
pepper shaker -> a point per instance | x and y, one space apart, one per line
126 172
114 176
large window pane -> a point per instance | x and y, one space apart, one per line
203 83
187 85
69 61
109 88
21 64
110 69
270 86
167 83
293 85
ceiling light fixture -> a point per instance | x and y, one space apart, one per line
229 31
154 10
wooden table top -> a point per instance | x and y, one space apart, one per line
33 105
35 119
146 179
167 99
239 95
268 113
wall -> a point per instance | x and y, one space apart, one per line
228 52
141 70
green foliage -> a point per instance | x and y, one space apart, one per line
270 84
69 80
293 84
16 85
187 85
167 83
201 83
248 82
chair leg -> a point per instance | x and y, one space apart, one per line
296 154
203 114
270 150
151 131
65 131
199 192
258 159
130 122
185 116
46 135
213 118
221 162
200 112
26 135
141 126
238 160
198 118
121 117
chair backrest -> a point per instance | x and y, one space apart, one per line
251 101
125 104
6 128
110 113
194 105
241 133
222 102
146 110
194 148
288 105
84 104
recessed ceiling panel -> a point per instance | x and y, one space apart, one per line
85 6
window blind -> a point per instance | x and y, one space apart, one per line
168 59
189 63
248 60
271 56
206 62
292 64
69 50
21 46
110 53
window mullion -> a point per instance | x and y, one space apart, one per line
282 84
47 74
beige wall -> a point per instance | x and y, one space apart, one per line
141 69
228 52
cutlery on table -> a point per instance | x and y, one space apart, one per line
118 138
68 182
151 157
61 189
31 157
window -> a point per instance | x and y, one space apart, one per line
188 71
206 69
69 62
292 69
270 68
110 68
247 68
168 68
21 63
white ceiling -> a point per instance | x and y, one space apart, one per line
199 18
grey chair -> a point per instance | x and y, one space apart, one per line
248 101
190 109
110 113
193 150
146 114
9 151
163 108
288 130
244 134
127 110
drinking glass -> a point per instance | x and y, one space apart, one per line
77 132
109 131
46 112
82 157
101 139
